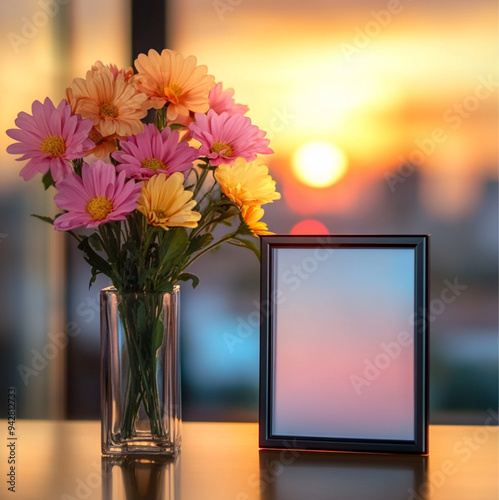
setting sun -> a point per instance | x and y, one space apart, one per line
319 164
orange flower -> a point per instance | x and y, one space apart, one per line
127 73
170 78
104 146
113 104
252 216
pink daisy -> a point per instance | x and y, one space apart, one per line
226 137
49 138
98 196
221 100
153 152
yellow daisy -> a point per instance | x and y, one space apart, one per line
247 183
252 216
166 203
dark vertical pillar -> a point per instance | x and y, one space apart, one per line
148 26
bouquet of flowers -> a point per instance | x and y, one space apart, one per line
151 162
154 192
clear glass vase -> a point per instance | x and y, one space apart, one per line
140 373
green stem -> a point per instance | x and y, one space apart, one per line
211 247
200 181
142 378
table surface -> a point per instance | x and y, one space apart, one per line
62 460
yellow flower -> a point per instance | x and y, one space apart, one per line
247 183
252 216
166 203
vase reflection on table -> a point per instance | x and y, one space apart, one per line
133 478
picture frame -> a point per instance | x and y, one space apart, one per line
344 343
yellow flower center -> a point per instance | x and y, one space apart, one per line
172 92
153 164
54 146
222 148
108 110
160 214
99 207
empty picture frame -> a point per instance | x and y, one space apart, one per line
343 347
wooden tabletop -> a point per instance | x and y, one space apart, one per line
219 461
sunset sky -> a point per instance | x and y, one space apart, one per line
384 82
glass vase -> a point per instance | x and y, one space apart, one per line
140 373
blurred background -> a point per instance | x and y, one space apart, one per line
383 118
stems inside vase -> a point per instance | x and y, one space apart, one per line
140 373
141 316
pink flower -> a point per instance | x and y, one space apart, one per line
98 196
226 137
49 138
221 100
152 152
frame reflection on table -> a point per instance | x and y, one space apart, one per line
221 461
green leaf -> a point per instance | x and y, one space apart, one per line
94 259
199 242
160 118
44 219
141 318
176 247
189 276
93 277
176 126
48 180
95 242
164 286
249 244
157 336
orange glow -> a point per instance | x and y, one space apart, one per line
319 164
309 226
380 96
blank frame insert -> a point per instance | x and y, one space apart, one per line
344 342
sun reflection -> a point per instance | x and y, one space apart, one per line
319 164
309 226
